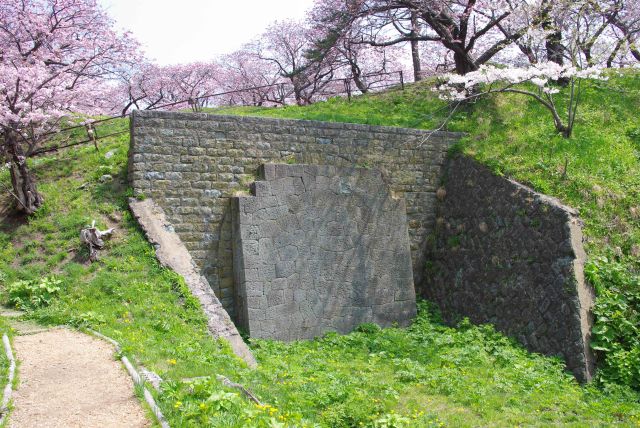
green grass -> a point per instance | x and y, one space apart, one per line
426 375
5 328
415 107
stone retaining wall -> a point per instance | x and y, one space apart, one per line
498 253
512 257
191 164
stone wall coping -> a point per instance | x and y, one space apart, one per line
546 199
293 122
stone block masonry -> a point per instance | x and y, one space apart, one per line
191 164
512 257
320 248
171 252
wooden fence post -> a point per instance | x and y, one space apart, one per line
347 86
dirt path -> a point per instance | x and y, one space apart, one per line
69 379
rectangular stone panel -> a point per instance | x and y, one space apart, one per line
331 250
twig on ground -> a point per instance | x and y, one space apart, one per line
227 382
442 125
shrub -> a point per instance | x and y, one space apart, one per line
616 333
33 294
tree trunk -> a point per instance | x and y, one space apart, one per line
635 52
356 73
362 87
415 56
463 63
628 36
587 56
415 48
297 90
614 53
25 192
553 40
553 45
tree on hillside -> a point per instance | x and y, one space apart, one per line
581 32
589 28
285 45
584 33
256 80
54 55
365 66
191 83
577 32
143 86
341 26
149 86
543 77
542 41
474 31
624 16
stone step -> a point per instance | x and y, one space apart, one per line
10 312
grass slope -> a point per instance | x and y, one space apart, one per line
426 375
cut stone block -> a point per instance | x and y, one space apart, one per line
334 256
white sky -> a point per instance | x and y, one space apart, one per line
180 31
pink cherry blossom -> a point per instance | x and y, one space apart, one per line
55 57
492 79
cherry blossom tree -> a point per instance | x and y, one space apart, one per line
150 86
577 32
368 66
257 81
343 26
490 80
474 31
624 16
54 56
584 32
143 86
191 83
589 28
285 45
355 61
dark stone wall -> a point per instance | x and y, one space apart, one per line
320 248
509 256
191 164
